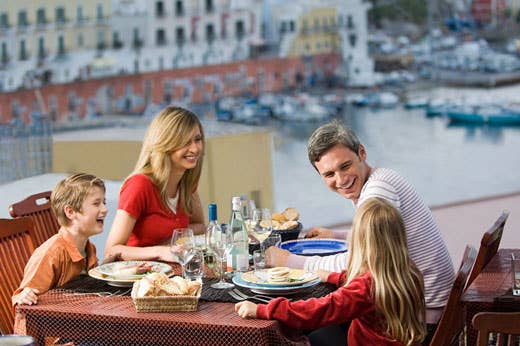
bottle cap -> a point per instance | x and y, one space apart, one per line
212 212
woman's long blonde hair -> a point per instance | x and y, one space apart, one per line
170 130
378 246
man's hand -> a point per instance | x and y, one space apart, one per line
276 257
319 232
246 309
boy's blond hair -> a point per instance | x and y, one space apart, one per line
72 191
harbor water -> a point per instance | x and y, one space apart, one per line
445 163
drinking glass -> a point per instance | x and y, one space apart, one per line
182 246
515 269
274 239
221 243
262 225
194 268
258 260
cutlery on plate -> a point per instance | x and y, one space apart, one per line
245 297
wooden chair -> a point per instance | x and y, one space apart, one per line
38 207
16 247
505 324
452 319
488 246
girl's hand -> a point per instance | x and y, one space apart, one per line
28 296
323 274
246 309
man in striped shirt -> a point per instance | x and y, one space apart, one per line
336 153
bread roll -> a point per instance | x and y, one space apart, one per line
146 288
278 217
291 214
193 287
277 224
181 284
289 225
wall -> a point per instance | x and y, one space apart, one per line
237 164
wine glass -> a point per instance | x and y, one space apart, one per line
274 239
221 243
262 225
182 245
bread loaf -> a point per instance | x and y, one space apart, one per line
158 284
278 217
291 214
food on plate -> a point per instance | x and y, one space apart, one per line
159 285
278 274
132 269
286 220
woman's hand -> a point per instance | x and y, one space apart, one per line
28 296
246 309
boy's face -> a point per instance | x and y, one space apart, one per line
93 212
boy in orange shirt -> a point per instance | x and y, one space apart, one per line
78 202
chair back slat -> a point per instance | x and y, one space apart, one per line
16 247
489 245
506 324
38 207
452 319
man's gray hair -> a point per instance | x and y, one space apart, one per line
328 135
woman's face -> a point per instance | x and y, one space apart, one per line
186 157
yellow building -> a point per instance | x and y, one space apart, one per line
45 29
318 33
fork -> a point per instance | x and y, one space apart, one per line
238 295
256 296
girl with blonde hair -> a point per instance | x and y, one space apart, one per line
161 193
381 292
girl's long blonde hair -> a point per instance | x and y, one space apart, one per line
378 246
170 130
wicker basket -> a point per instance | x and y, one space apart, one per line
163 303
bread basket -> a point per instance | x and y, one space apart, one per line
164 303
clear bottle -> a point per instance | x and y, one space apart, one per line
209 256
238 258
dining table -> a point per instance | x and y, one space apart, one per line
87 311
491 291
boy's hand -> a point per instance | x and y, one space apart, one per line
28 296
246 309
276 257
323 274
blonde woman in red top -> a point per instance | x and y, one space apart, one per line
161 193
381 292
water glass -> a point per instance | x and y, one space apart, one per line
194 268
181 246
258 260
515 270
262 224
274 239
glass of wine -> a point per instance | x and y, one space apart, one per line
221 243
262 225
182 246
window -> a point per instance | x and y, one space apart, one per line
23 51
40 17
136 41
209 6
159 9
79 13
239 29
160 37
291 26
4 56
116 41
4 21
352 38
100 40
99 12
22 19
283 27
179 36
41 48
179 8
210 33
60 15
350 22
81 40
61 45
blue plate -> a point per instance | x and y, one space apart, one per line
311 247
272 290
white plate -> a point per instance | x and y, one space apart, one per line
260 278
112 269
273 290
112 282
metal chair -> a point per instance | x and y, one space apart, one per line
452 320
37 207
506 325
488 246
16 247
